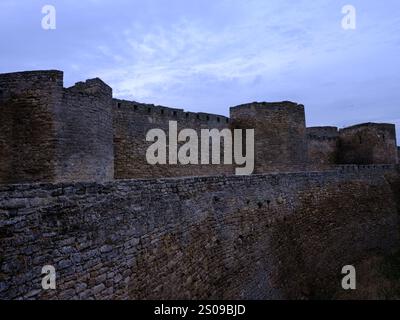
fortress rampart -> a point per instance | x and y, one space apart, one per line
70 159
252 237
49 133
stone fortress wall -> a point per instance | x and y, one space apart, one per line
54 134
66 155
269 236
133 120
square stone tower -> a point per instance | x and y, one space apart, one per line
49 133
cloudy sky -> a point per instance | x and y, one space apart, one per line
208 55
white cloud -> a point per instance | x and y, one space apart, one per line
164 57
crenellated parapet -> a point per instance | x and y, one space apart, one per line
151 110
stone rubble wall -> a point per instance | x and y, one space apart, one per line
255 237
132 122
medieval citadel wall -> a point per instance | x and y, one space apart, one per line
280 134
252 237
368 143
322 144
133 120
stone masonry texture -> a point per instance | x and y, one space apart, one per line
49 133
27 128
76 192
368 143
255 237
280 134
133 120
322 146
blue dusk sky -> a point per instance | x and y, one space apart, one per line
208 55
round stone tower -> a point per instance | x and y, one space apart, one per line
279 133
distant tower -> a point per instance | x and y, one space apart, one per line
280 134
368 143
